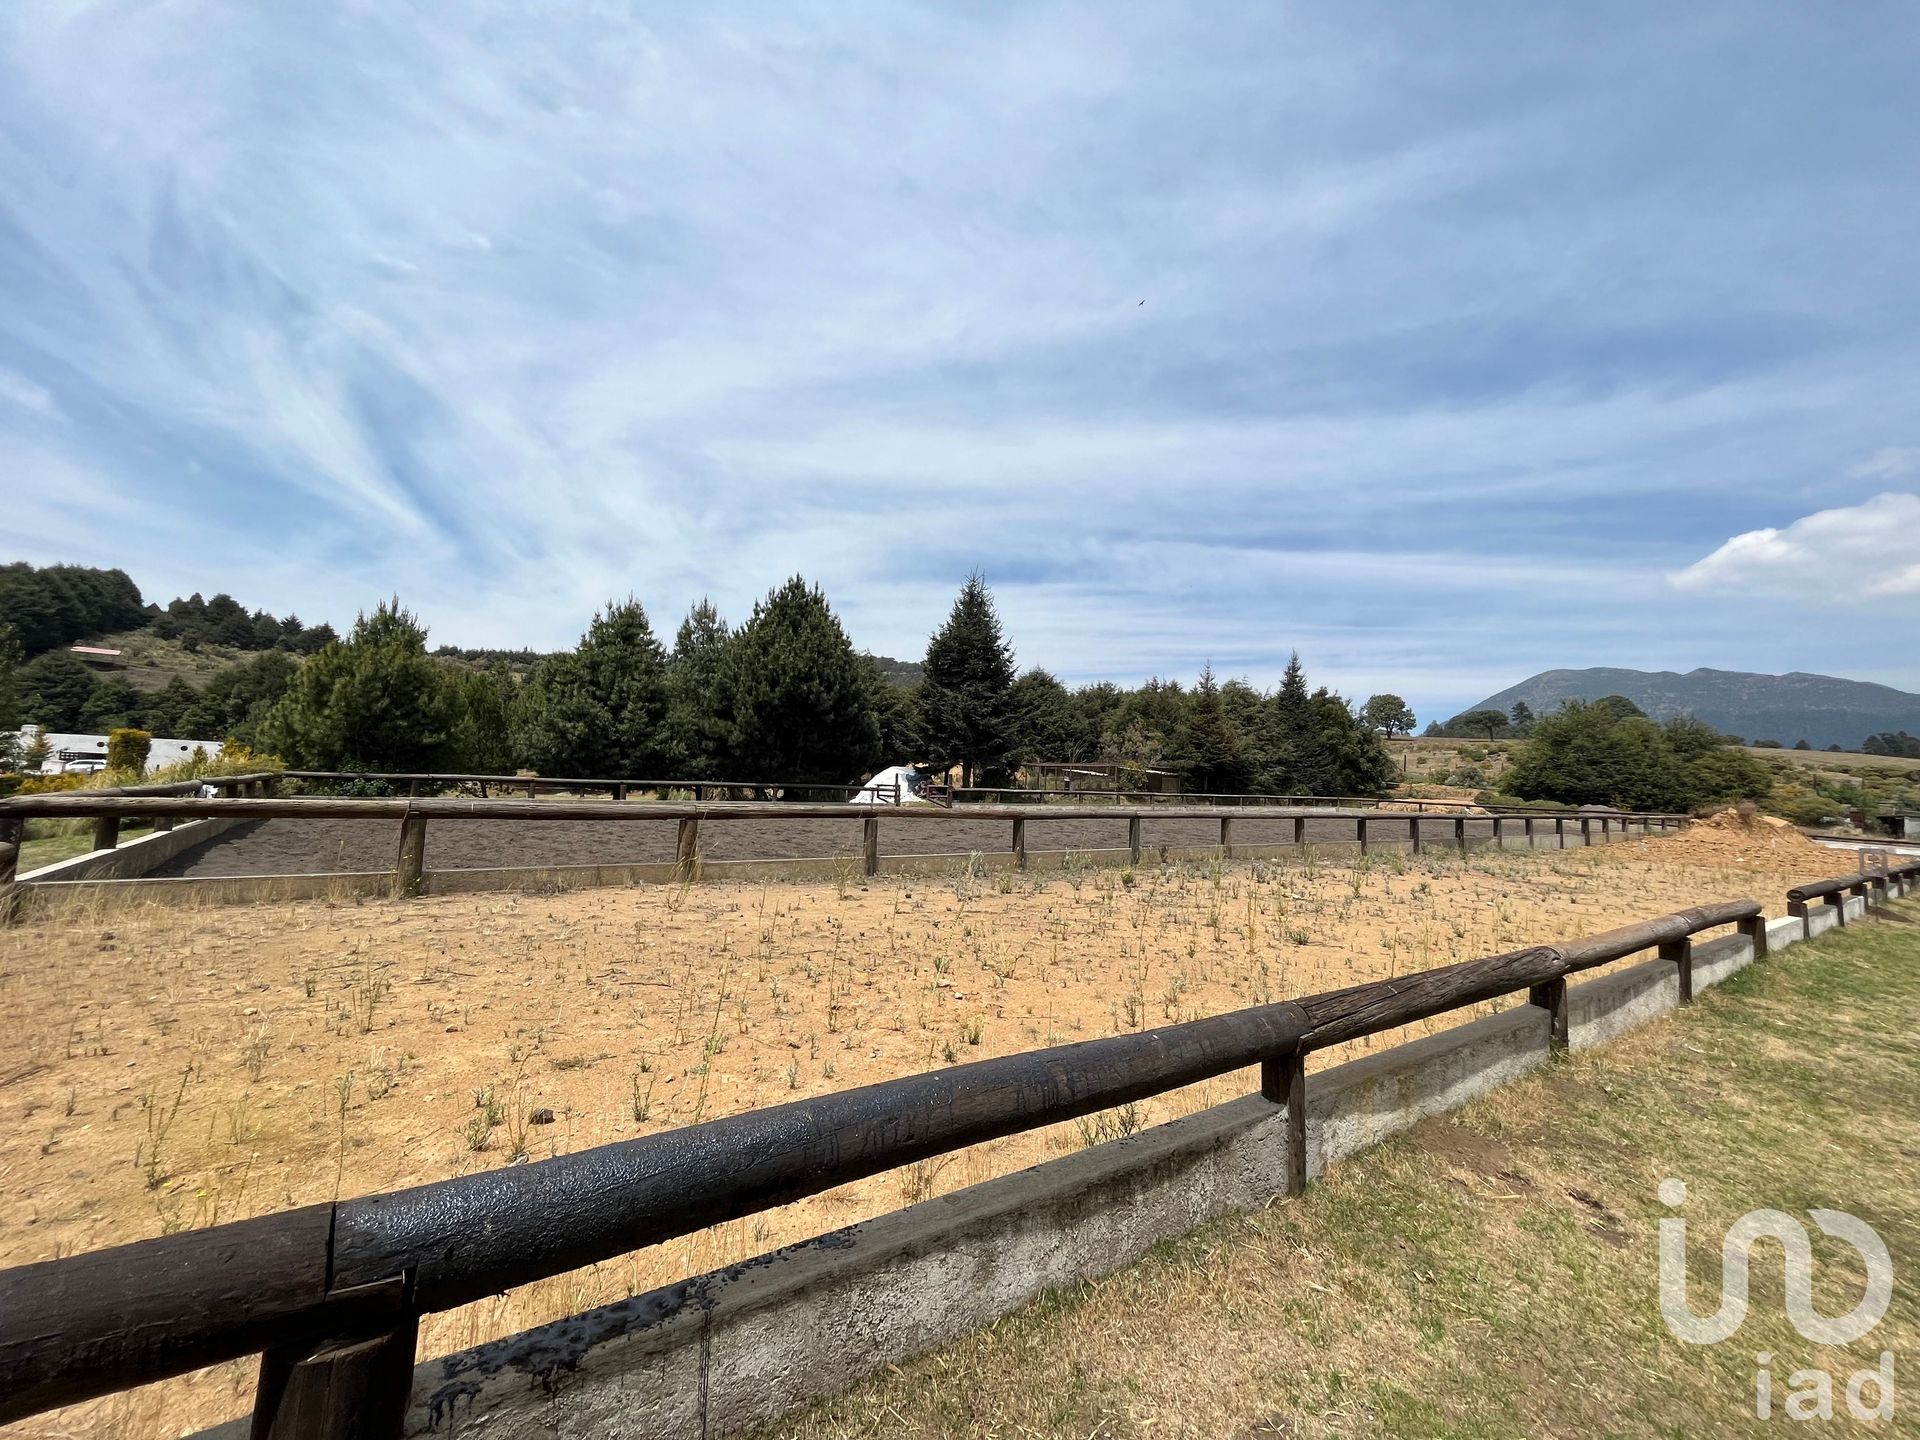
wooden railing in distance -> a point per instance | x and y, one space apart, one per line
413 816
332 1293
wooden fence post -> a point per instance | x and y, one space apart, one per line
1499 832
1560 832
1362 823
1284 1082
1460 833
1133 839
1019 842
1226 836
1300 830
413 855
686 851
1552 998
1586 831
106 832
1798 910
1754 927
345 1390
1413 835
1681 953
870 844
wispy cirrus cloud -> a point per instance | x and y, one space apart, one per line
1458 332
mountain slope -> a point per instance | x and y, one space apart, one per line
1820 709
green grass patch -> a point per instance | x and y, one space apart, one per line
47 842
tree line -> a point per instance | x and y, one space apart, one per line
53 606
783 696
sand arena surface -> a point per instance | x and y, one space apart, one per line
165 1066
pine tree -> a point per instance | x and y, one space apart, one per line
601 710
482 738
966 695
376 702
1215 753
801 710
1303 761
699 710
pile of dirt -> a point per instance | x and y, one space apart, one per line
1759 842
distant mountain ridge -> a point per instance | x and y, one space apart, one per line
1823 710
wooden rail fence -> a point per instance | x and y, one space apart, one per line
331 1295
248 798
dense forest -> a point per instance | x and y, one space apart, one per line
783 696
54 606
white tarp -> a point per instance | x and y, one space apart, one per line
879 790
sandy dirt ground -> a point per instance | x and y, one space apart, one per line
167 1066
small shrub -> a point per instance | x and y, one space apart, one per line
127 750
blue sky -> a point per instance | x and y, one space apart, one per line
1476 339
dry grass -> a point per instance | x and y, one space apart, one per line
1493 1273
167 1067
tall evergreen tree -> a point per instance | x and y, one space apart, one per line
1303 759
699 710
802 711
601 710
376 702
966 695
1215 751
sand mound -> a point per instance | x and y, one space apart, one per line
1760 842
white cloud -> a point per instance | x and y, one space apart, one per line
19 391
1870 549
1889 464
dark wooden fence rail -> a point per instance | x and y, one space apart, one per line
331 1295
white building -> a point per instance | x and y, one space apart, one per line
87 753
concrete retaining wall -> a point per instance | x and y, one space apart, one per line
1820 919
132 859
1363 1102
1719 960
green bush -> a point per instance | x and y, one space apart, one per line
127 750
